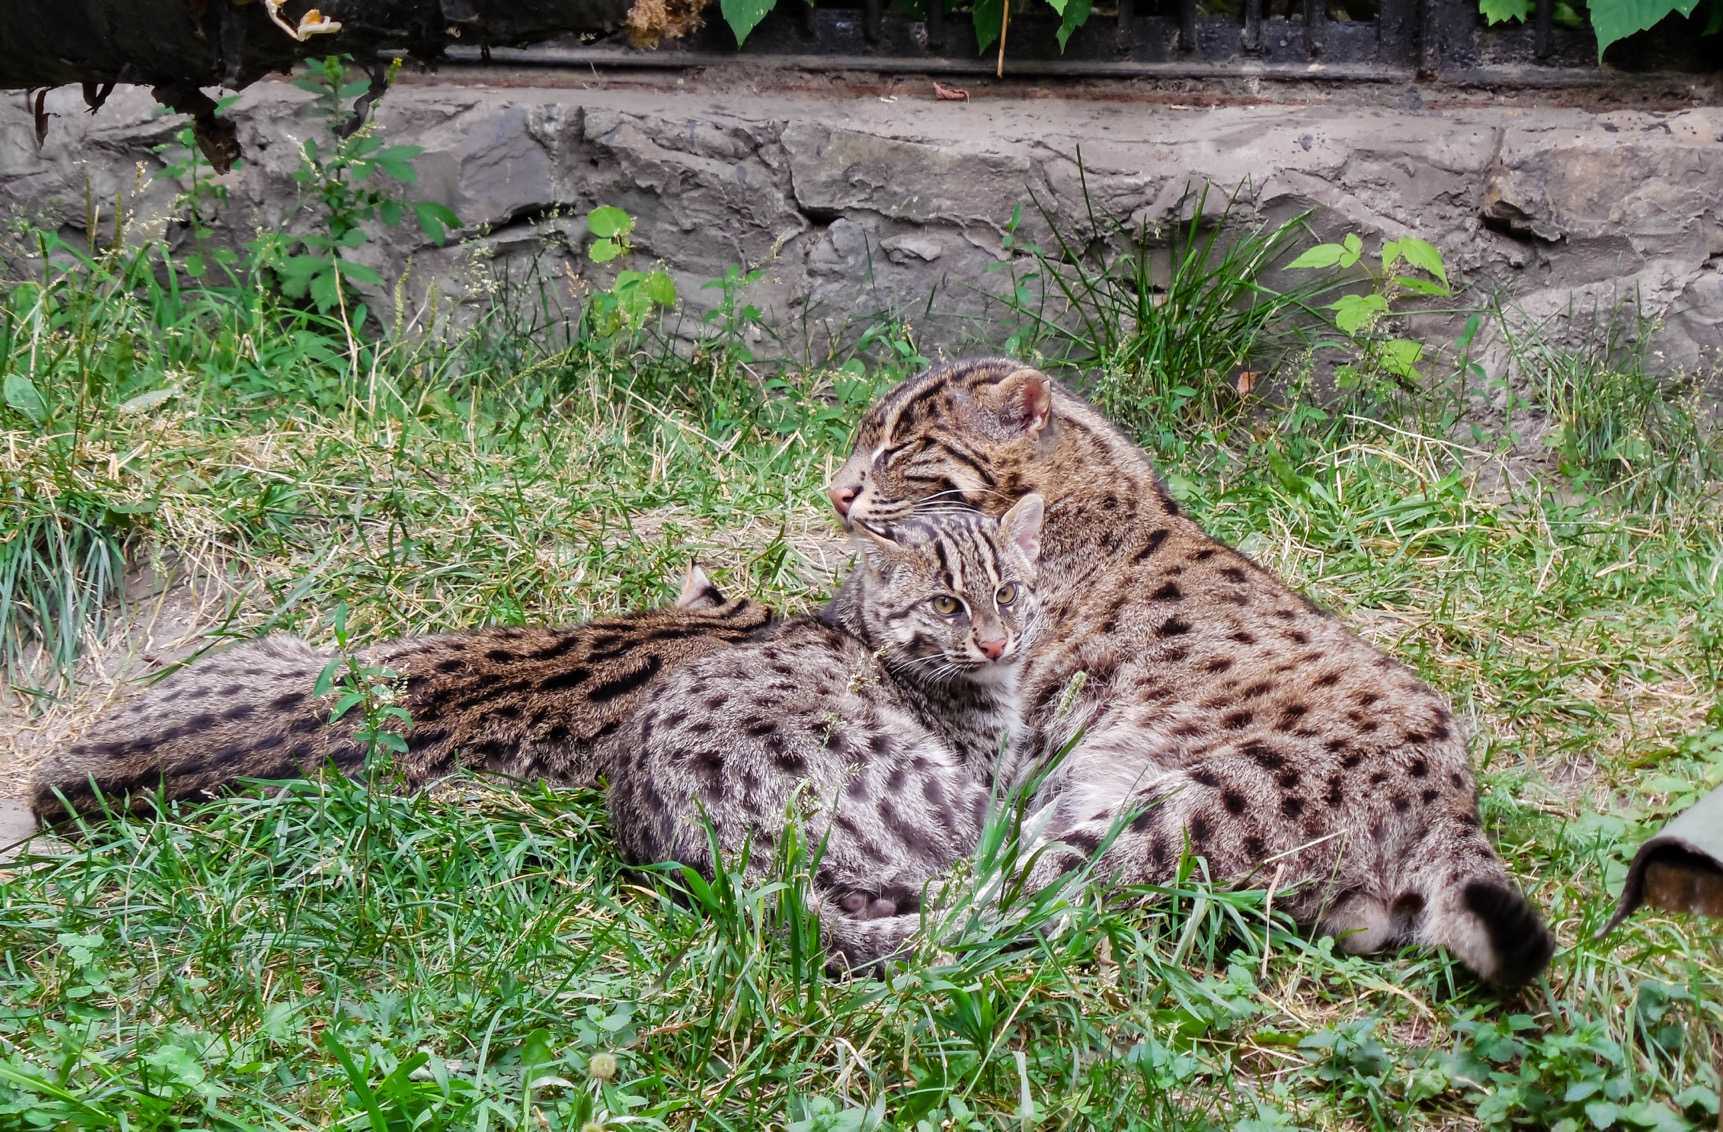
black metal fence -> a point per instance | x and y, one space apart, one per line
1391 40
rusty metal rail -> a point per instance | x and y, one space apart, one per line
1400 40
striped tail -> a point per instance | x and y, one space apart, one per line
1473 908
247 712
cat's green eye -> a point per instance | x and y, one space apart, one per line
1006 594
947 606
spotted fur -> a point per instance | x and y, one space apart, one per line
1218 709
876 725
547 703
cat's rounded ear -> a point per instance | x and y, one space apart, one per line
1020 403
1021 525
698 590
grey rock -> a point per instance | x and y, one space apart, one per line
855 210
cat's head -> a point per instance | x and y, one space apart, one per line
951 593
963 435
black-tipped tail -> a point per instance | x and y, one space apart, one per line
1517 935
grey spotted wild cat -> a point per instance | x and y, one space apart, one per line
1218 709
545 703
876 726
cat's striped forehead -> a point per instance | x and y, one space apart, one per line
966 548
927 400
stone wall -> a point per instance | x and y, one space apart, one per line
864 201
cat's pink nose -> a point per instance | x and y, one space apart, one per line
992 649
843 497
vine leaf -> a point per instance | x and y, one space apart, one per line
22 395
986 17
1073 14
744 16
1615 20
1504 11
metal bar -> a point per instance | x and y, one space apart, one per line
810 21
871 12
1315 26
1506 76
935 22
1127 25
1188 26
1252 25
661 59
1545 28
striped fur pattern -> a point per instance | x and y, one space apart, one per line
548 703
1218 709
876 725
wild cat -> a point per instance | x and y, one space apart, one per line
548 703
1217 707
876 726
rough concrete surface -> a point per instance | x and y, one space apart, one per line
866 201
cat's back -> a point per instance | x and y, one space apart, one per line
743 733
807 677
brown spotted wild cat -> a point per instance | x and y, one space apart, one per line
1218 708
544 703
878 723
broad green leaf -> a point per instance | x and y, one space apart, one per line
1615 20
358 272
194 265
398 170
1353 313
603 251
609 221
1354 248
435 219
744 15
1075 15
1400 356
297 271
323 291
1419 285
1326 255
1503 11
22 395
1421 254
986 18
660 288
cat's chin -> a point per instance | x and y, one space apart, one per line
993 673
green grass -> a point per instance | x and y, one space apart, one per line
329 956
